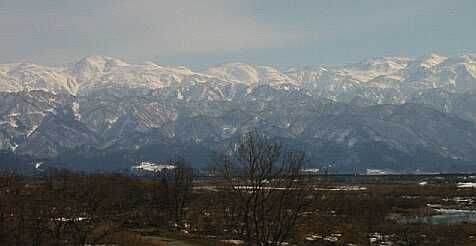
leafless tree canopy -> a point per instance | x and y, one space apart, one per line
175 191
266 191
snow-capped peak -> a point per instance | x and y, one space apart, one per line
101 72
369 69
431 60
91 67
248 74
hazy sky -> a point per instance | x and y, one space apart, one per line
198 33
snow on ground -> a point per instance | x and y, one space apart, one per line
453 211
63 219
466 185
313 237
343 188
423 183
334 237
234 241
246 187
377 238
460 199
339 188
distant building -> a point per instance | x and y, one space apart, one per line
376 172
310 171
149 167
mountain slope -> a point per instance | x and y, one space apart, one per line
101 112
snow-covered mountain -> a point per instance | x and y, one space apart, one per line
249 74
98 72
389 111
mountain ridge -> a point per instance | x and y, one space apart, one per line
410 113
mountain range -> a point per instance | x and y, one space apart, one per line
102 113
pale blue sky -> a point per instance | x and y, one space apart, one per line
199 33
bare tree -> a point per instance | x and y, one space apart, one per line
266 191
176 190
9 193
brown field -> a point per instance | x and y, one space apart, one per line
70 209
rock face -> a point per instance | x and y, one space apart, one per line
103 113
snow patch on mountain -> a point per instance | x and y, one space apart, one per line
249 74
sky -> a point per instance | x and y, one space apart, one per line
200 33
